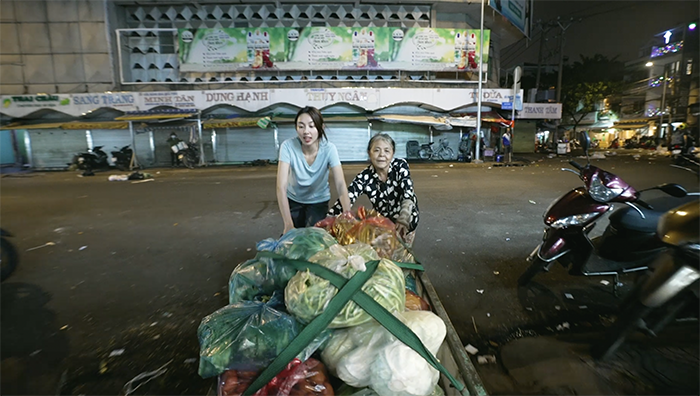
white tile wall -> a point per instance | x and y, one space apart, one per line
30 11
34 38
69 68
65 37
9 44
7 11
11 69
62 11
93 37
97 68
38 69
90 10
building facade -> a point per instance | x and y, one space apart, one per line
93 61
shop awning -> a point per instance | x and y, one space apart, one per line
490 116
230 123
72 125
439 123
156 115
633 123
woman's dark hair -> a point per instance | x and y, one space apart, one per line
384 137
316 117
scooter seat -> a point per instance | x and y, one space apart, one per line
629 219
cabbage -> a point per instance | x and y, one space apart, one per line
307 295
299 243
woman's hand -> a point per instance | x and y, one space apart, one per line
288 227
402 230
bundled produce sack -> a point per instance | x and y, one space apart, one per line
299 243
297 379
379 232
258 277
307 295
370 355
245 336
415 302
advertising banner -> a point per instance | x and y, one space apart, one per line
550 111
516 11
330 48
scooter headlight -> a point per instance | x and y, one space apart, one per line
600 192
574 220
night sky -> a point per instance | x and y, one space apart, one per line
611 28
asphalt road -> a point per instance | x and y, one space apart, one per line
136 266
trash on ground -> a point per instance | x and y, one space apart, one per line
532 202
604 282
496 272
486 359
558 308
167 314
507 239
480 291
39 247
190 361
83 247
563 326
583 306
142 181
149 375
435 175
471 349
569 296
529 308
153 324
451 166
35 353
64 327
116 352
118 177
438 240
493 344
488 314
551 156
598 156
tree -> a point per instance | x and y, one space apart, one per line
588 82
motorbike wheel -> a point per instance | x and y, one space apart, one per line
8 258
627 323
538 265
424 154
187 163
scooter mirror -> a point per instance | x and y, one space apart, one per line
585 142
673 189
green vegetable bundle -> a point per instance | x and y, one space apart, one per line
244 336
258 277
307 295
299 243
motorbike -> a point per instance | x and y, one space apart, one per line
8 255
122 158
668 289
187 155
91 160
628 244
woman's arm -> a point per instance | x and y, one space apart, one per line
282 201
354 191
341 187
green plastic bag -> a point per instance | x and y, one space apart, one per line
257 278
299 243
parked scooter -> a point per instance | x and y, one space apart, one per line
8 255
122 158
187 155
673 283
91 160
628 244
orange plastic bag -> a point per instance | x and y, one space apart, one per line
379 232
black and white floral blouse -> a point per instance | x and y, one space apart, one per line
386 197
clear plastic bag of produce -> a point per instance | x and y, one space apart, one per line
307 295
299 243
258 277
369 355
244 336
379 232
309 378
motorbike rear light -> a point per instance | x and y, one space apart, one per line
575 220
602 193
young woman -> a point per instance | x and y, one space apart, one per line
303 190
388 185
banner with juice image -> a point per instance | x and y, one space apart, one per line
440 50
231 49
330 48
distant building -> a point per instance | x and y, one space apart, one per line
664 83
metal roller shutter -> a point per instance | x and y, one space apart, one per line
245 145
55 148
402 133
350 139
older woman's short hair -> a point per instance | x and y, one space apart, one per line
381 136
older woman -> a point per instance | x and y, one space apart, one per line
388 185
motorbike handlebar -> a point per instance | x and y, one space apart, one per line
576 165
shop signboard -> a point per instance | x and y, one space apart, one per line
330 48
516 11
551 111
